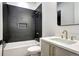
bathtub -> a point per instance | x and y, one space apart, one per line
18 48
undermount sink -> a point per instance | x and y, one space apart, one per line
64 41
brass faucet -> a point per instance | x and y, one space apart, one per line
66 34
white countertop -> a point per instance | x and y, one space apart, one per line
72 48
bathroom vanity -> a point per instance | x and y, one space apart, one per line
55 46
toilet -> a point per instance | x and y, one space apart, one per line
34 51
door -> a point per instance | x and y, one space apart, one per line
1 29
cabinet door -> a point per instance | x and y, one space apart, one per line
62 52
44 48
51 50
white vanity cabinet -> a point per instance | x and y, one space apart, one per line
44 48
48 49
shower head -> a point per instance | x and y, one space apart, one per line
36 12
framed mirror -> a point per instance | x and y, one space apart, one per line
67 13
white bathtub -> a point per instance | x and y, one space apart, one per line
18 48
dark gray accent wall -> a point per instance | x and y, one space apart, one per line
5 23
38 22
21 25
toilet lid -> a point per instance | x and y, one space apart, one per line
34 49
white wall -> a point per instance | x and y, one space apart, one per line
1 28
28 5
48 18
76 9
49 22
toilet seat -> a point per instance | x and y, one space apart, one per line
34 50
